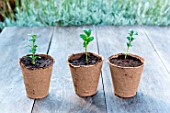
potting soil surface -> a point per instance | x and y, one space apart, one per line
128 62
40 62
82 60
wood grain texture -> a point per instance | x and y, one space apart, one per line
62 97
154 92
13 41
160 39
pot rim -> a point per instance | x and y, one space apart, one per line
45 55
102 59
132 55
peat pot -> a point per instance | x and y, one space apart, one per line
85 77
125 79
37 80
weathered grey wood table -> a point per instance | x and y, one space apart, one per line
153 93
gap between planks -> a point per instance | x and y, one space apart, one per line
98 50
33 106
152 44
48 49
51 38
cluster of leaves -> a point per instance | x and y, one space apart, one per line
87 39
85 12
33 48
130 38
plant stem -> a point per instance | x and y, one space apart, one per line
86 55
33 54
33 59
126 52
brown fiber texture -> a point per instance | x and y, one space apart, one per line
125 79
85 77
37 81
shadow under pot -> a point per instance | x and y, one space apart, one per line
37 77
125 74
85 76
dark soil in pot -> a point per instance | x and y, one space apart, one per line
40 62
82 60
128 62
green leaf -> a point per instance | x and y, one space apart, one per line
132 39
34 36
88 33
128 44
136 33
128 37
28 56
83 37
131 32
90 39
34 49
35 46
36 57
85 31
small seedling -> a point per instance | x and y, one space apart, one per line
33 48
130 38
87 39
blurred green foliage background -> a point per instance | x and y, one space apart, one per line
87 12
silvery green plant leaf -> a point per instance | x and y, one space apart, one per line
87 12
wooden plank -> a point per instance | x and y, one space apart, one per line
160 38
62 97
12 92
154 92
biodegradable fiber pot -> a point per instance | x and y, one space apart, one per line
37 80
85 77
125 79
